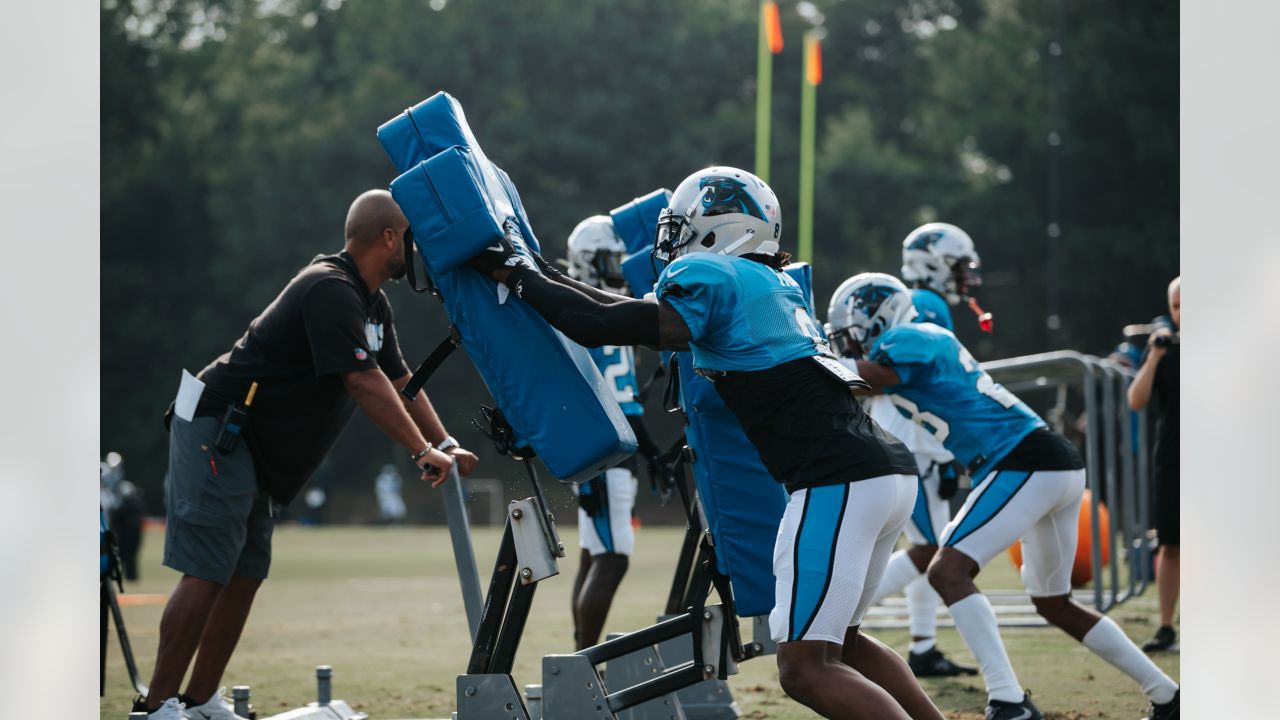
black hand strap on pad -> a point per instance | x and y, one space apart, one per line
496 428
431 364
410 262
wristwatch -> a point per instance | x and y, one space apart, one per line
447 444
415 457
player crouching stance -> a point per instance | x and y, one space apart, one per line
723 297
1030 486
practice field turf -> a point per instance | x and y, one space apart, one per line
382 606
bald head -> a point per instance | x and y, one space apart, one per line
369 215
1175 301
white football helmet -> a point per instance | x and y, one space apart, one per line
722 210
941 257
596 253
863 308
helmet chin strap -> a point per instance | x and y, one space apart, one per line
728 250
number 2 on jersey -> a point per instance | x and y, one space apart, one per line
619 372
986 385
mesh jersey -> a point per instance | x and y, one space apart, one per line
931 308
742 315
896 421
948 393
618 366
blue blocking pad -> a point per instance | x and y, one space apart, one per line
743 502
637 221
437 124
547 387
451 216
639 271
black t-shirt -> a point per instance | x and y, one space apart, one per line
809 428
1164 389
323 324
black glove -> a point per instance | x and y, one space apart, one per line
950 476
502 254
547 268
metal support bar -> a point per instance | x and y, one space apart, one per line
495 605
504 654
652 635
464 556
674 679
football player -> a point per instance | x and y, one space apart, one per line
941 262
1030 483
723 296
606 502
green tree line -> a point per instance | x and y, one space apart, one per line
235 133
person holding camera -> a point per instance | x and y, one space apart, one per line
1158 378
247 435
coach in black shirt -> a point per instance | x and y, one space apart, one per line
324 346
1158 378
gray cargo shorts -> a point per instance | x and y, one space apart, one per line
217 522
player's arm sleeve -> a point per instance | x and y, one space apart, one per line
334 317
698 291
584 320
390 358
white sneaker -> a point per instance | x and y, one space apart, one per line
218 708
171 709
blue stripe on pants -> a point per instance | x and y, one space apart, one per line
995 496
920 515
815 552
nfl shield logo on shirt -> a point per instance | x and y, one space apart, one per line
361 354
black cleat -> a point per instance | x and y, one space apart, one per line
1165 640
932 663
1025 710
1167 711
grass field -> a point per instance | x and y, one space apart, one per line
382 606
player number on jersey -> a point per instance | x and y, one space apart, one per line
808 327
986 385
618 372
925 419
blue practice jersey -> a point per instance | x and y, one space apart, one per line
742 315
618 366
932 308
950 395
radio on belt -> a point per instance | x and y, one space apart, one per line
233 422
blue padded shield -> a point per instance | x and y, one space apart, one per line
450 213
638 269
743 502
547 387
637 221
435 125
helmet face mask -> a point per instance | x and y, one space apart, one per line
942 258
720 210
865 307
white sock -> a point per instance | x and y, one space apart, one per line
897 573
923 646
922 603
1109 642
976 622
